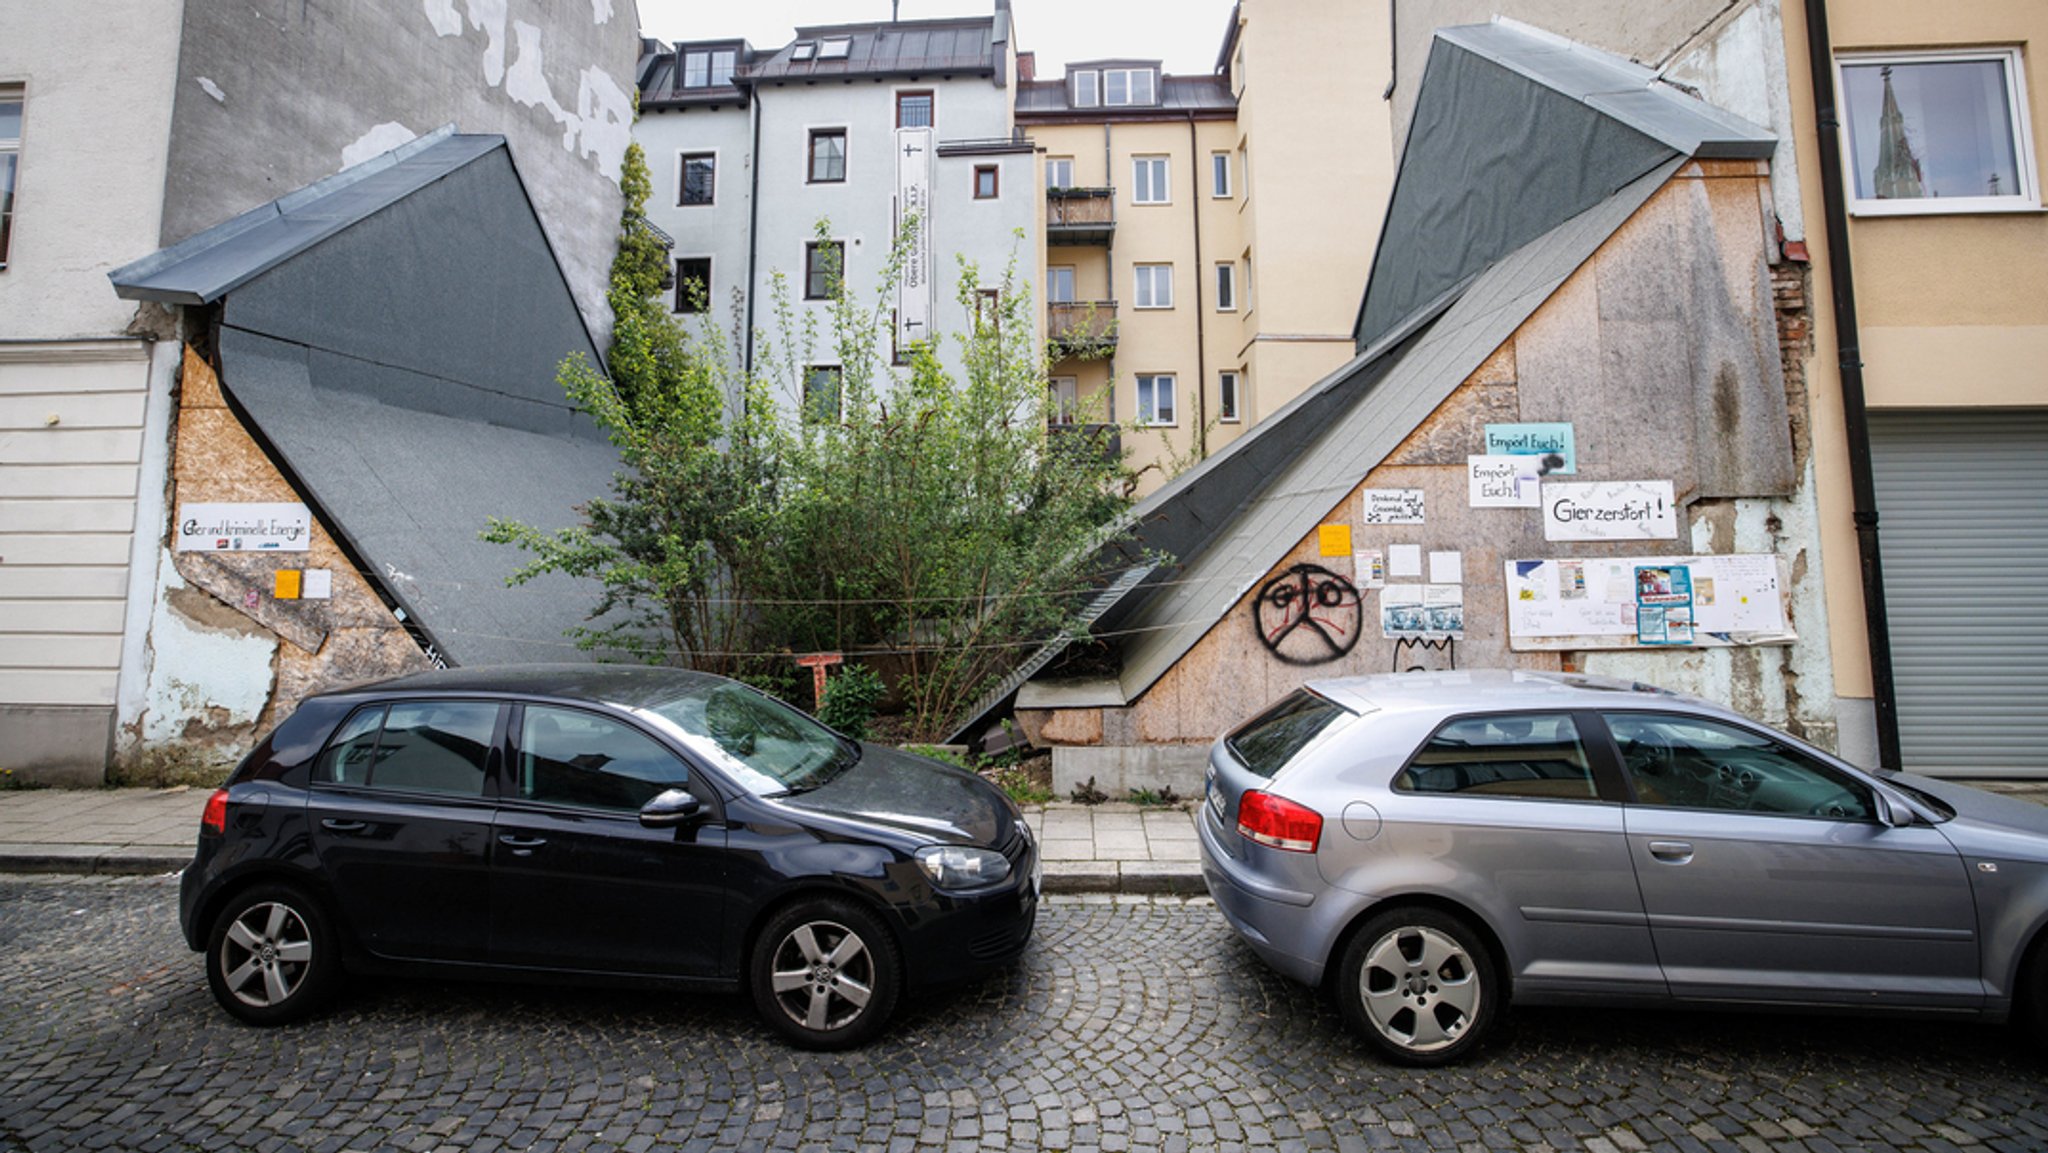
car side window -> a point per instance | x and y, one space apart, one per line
1531 755
1687 762
418 746
571 757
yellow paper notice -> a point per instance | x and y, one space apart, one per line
287 584
1335 539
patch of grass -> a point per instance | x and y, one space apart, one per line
1162 797
1021 783
942 754
1088 794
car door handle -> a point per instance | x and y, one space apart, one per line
1671 852
511 840
337 825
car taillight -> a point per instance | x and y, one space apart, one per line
1278 822
215 819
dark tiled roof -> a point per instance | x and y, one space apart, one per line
907 47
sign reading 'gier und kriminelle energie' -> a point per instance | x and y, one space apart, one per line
244 528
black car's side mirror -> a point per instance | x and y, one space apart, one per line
671 809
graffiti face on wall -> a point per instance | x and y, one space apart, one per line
1308 615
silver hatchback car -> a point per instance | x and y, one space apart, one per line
1436 845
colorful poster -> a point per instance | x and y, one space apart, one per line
1664 604
1371 569
1402 614
1551 444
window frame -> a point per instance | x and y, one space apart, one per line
995 182
1780 745
1163 193
2018 121
826 132
1139 286
1221 186
685 65
1072 285
1145 382
1230 401
1092 87
812 269
1128 76
490 788
835 47
679 307
1226 286
931 104
1051 165
10 147
812 372
1064 400
683 159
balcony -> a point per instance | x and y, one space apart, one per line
1081 327
1104 440
1080 215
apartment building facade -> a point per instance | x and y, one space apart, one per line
779 171
1183 294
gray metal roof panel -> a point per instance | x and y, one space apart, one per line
909 46
1616 87
210 264
1488 312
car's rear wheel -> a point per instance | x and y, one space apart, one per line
1419 985
272 956
826 974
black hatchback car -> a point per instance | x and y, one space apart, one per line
601 823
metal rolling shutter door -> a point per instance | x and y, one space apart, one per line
1962 499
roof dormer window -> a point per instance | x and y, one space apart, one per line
1124 87
804 50
1084 84
709 69
835 48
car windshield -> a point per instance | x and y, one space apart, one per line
768 748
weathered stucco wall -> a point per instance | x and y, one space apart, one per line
227 658
275 94
1664 352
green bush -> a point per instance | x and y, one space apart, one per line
848 703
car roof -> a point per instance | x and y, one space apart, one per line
633 686
1467 690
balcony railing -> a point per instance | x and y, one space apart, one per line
1081 327
1080 215
1071 436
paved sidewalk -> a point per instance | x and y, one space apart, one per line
1109 848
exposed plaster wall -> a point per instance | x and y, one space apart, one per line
227 658
275 94
1636 349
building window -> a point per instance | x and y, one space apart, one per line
698 179
1059 172
1244 168
1059 284
1155 400
693 283
985 185
821 394
828 155
804 50
709 69
1936 132
1246 294
1219 175
835 48
988 311
1127 86
1226 287
1229 404
1155 285
1085 94
10 161
1066 401
913 110
824 265
1148 180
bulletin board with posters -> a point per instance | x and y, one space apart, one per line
1647 602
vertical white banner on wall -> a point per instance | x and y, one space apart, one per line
914 288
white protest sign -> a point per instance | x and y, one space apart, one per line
244 527
1609 510
1503 481
1391 506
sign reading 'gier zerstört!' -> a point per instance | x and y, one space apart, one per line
244 528
1610 510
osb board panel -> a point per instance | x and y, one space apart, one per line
350 638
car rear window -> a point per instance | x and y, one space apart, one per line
1272 738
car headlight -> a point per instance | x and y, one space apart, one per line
959 867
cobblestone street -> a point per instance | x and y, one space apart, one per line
1133 1023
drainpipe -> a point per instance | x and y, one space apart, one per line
754 226
1855 415
1201 327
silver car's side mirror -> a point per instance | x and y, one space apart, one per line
1892 811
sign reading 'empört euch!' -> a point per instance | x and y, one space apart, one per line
244 528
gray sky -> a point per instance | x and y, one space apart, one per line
1186 34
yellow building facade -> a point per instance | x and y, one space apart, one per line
1183 293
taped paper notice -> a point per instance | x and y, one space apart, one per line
1391 506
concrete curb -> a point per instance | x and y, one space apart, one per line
91 860
1176 878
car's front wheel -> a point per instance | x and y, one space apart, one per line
272 957
1419 985
826 974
